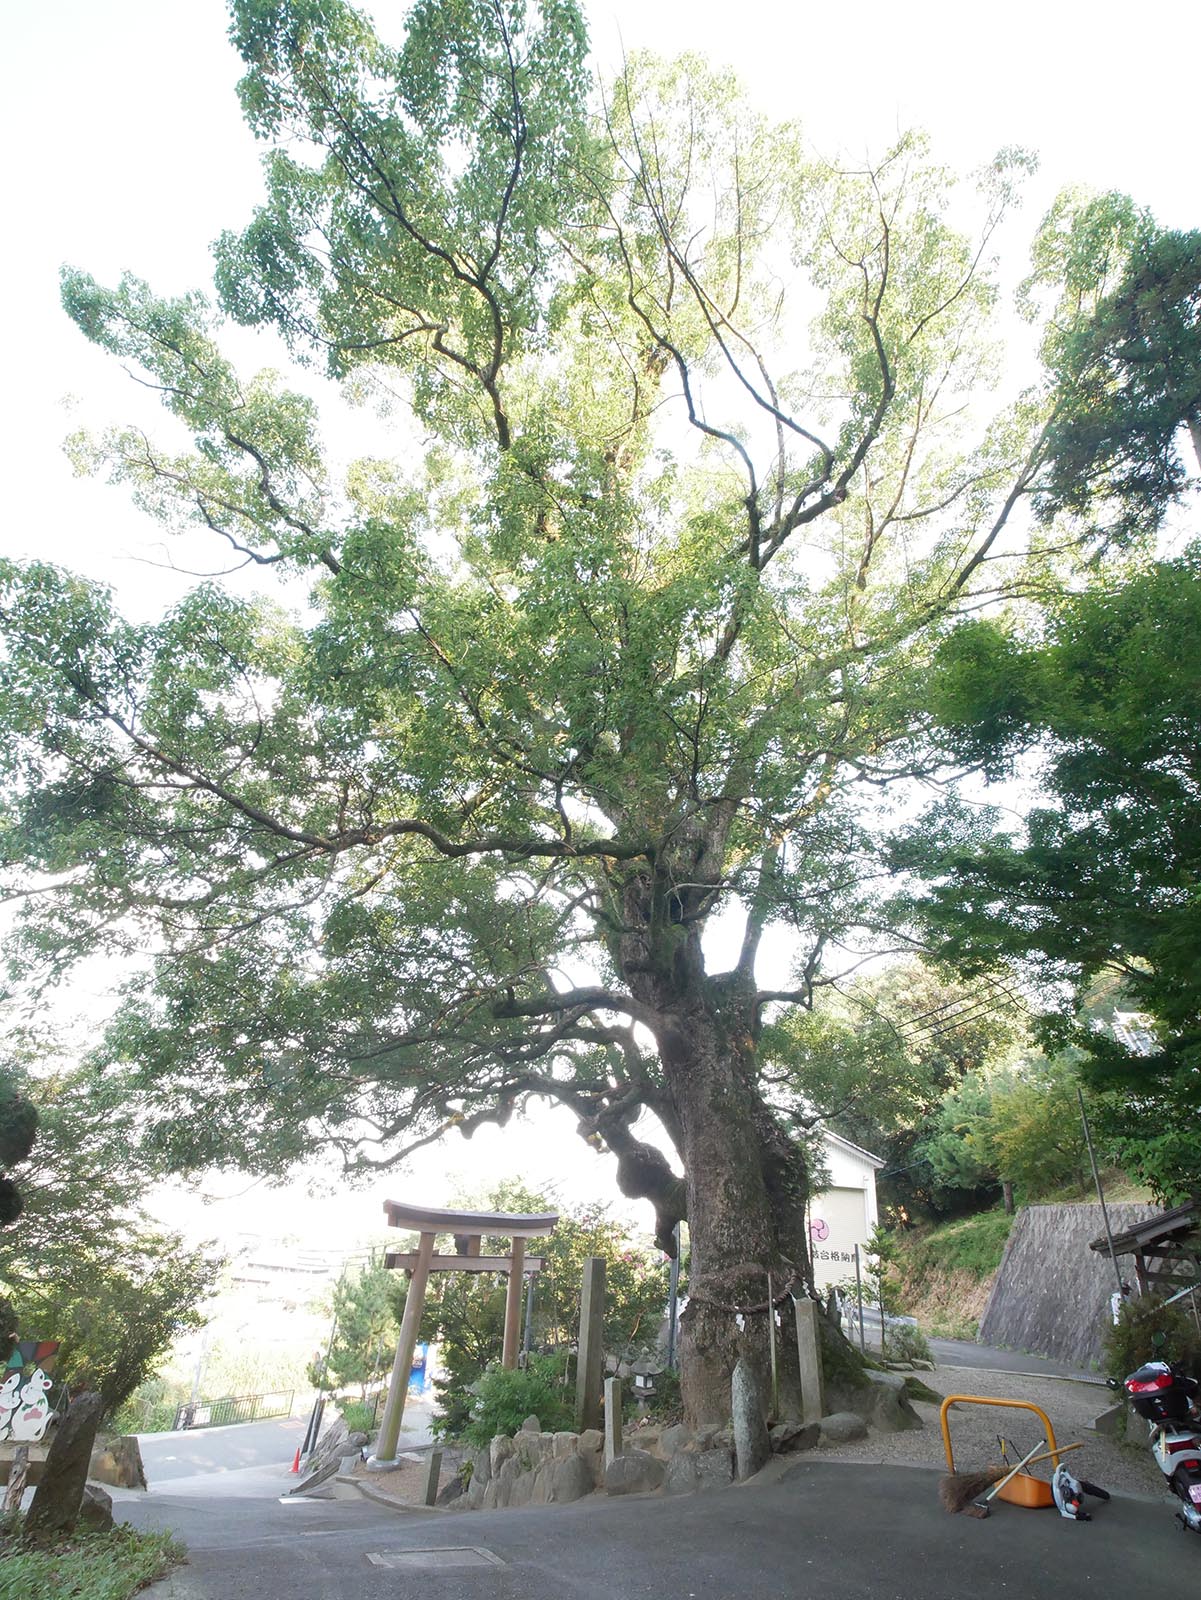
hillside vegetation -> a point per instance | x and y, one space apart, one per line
947 1271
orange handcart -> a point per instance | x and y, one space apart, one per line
1023 1489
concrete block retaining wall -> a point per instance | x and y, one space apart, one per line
1051 1294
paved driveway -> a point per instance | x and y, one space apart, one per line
828 1530
200 1452
966 1353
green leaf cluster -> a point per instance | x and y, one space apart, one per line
365 1329
503 1400
84 1265
1102 879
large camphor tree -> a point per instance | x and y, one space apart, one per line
563 717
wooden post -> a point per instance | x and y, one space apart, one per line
398 1387
18 1473
513 1304
590 1357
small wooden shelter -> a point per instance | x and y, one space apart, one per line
1166 1249
468 1229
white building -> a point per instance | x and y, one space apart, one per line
845 1213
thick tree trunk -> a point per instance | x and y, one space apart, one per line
746 1203
746 1179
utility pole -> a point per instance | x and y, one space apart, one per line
1088 1139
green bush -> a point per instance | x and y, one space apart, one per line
358 1416
503 1399
1131 1340
907 1343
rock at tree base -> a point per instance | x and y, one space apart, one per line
690 1470
841 1427
96 1510
752 1446
674 1438
790 1436
572 1480
57 1500
891 1410
633 1472
118 1462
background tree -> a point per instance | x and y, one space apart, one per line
465 1311
1128 371
877 1058
635 639
365 1329
1020 1126
1102 882
84 1266
18 1130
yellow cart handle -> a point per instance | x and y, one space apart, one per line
993 1400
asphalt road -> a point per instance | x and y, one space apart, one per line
965 1353
827 1530
202 1451
245 1447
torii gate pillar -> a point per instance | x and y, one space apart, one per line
410 1324
468 1227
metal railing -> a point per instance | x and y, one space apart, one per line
237 1408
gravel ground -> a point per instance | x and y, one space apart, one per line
1119 1467
406 1483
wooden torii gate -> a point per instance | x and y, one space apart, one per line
468 1229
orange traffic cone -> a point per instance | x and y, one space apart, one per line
296 1460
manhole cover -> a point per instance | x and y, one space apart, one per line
460 1555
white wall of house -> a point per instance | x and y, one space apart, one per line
844 1214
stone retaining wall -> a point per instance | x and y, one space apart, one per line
1051 1294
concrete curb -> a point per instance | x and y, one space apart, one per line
370 1492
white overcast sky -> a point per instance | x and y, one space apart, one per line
126 151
